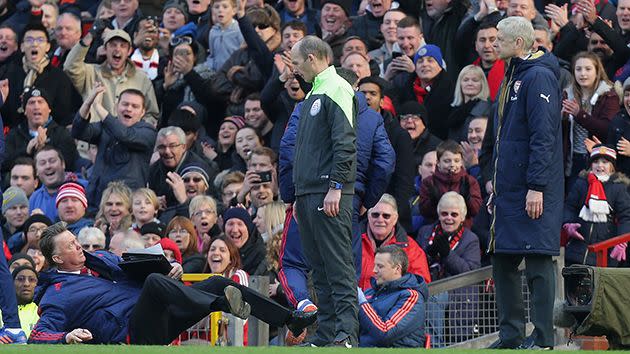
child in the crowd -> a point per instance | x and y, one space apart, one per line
597 208
225 36
426 168
450 175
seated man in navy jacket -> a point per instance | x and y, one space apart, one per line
87 298
392 312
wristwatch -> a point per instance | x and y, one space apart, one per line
335 185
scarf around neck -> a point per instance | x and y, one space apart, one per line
596 207
32 70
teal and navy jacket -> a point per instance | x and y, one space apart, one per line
325 148
394 313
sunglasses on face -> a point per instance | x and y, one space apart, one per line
175 41
261 26
376 215
453 214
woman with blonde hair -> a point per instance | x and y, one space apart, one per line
114 212
269 221
470 100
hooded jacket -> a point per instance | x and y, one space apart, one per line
394 313
417 259
528 156
616 189
102 304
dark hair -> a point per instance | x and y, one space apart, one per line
47 240
27 161
133 91
296 25
397 256
185 119
35 26
247 126
254 96
374 80
50 148
450 146
410 21
235 256
484 26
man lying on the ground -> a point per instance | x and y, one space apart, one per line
87 298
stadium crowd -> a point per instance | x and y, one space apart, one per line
177 123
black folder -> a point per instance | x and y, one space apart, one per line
139 266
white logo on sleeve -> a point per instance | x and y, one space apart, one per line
546 98
316 107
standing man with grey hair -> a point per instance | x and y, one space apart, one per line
324 190
528 186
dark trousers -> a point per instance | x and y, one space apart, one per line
327 246
167 307
8 303
541 280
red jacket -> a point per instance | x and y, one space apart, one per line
417 259
442 183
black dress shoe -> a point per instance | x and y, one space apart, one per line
300 320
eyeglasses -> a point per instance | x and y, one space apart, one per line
261 26
410 116
204 211
23 278
453 214
35 230
194 179
162 148
38 40
179 232
376 215
175 41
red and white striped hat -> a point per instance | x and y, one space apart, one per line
605 152
71 189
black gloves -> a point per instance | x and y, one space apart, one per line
98 27
440 246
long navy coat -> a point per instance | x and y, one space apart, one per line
528 155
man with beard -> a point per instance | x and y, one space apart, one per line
25 281
117 73
35 70
146 56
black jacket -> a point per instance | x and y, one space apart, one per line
437 101
65 99
401 183
368 27
57 136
